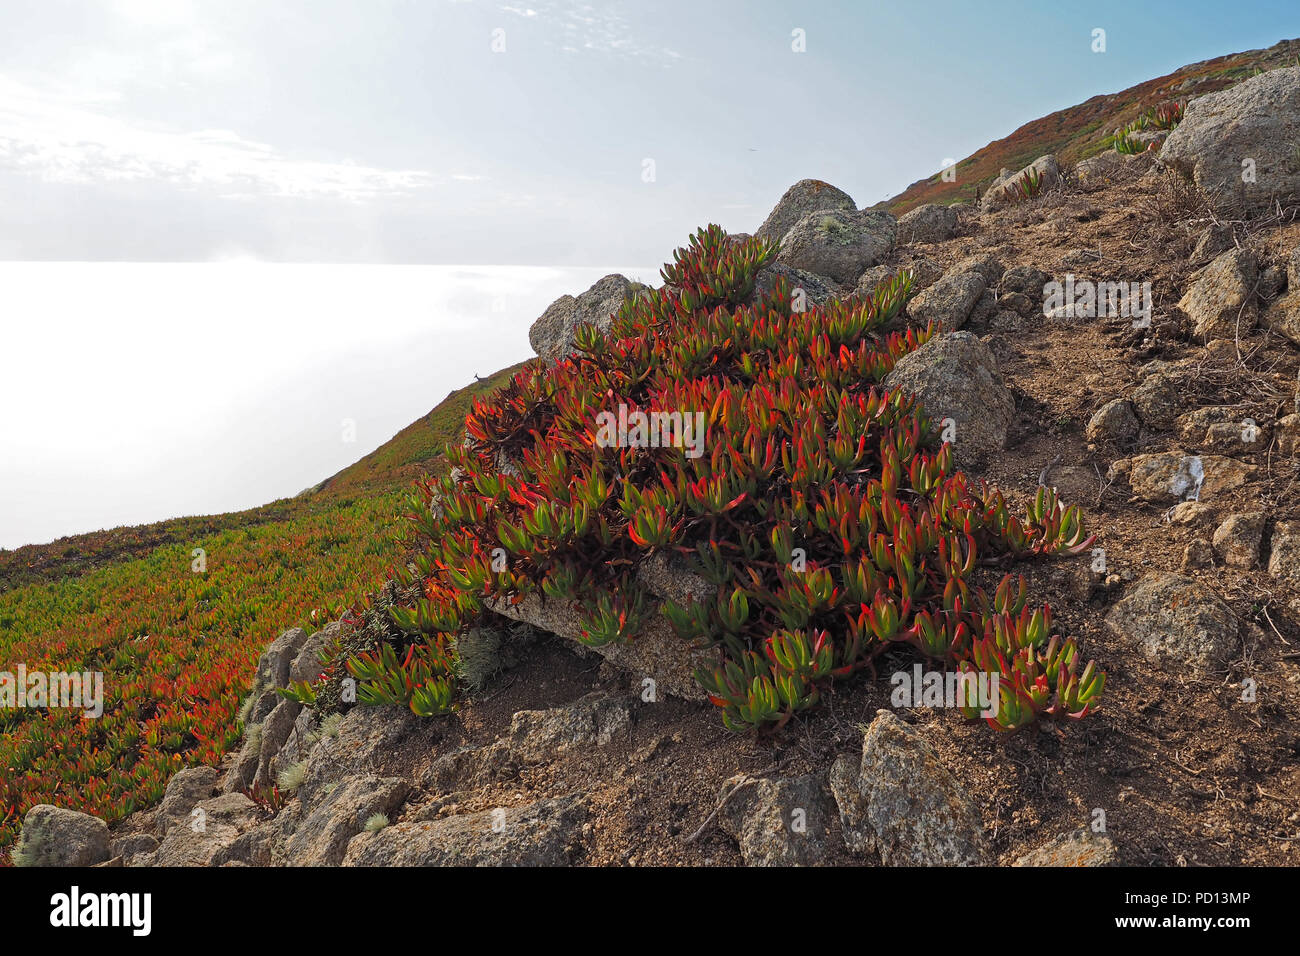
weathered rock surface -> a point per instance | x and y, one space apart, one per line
274 664
553 336
817 290
1174 619
948 303
275 732
1157 400
545 833
1080 847
185 791
1114 421
1221 298
307 665
1172 477
216 825
906 805
53 836
1257 120
321 839
839 243
656 653
1001 193
1284 558
777 821
956 377
1237 539
804 197
930 222
369 740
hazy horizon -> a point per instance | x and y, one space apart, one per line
232 386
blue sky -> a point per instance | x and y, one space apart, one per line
391 131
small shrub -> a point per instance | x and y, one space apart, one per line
375 822
1027 186
478 656
1127 144
330 725
292 777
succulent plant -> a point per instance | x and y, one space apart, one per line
826 511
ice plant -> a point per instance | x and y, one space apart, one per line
825 517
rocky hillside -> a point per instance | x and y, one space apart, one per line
1082 131
1122 329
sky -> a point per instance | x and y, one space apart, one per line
227 225
434 131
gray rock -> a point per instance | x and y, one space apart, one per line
545 833
1002 193
553 336
252 847
1237 539
1080 847
275 732
852 804
1173 619
534 737
656 653
955 376
1221 298
299 743
990 267
1283 315
321 839
592 721
1284 559
1258 119
307 665
1272 282
1021 290
1194 426
136 844
925 272
1157 401
1288 434
804 197
218 824
907 805
930 222
777 821
265 700
53 836
239 776
185 790
1173 477
872 277
273 666
1102 169
370 740
949 302
1114 421
1214 240
839 243
817 290
1199 553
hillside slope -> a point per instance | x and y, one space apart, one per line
176 640
1082 131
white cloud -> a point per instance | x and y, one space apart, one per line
584 27
65 137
